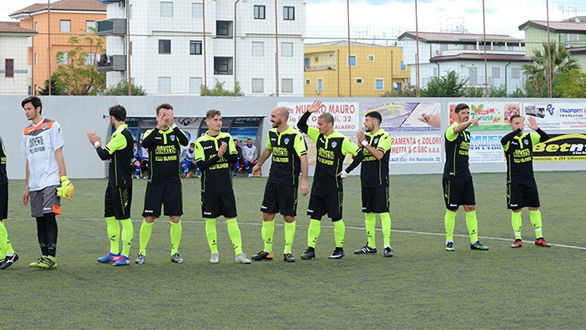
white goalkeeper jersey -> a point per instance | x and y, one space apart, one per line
39 143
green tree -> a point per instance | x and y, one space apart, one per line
79 77
406 92
571 84
538 71
122 89
219 90
57 87
449 85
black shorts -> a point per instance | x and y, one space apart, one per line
168 193
522 194
325 201
280 198
3 199
117 202
214 205
375 200
458 190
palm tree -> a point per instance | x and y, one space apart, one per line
539 71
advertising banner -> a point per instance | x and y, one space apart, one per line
562 116
561 147
492 116
346 114
421 148
407 116
486 148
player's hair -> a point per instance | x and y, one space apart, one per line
192 144
212 113
34 100
375 114
461 107
513 116
164 106
283 111
327 117
118 112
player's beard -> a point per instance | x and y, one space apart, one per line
276 123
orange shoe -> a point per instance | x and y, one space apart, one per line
517 244
542 242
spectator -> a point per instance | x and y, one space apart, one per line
250 155
188 161
238 165
140 161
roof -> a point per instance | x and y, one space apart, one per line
563 27
441 37
480 57
14 27
342 43
69 5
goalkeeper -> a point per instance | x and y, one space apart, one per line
46 178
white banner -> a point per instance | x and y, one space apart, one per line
346 114
562 116
486 148
421 148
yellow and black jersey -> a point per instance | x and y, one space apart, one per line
164 148
120 152
287 148
3 175
216 175
374 172
518 149
457 148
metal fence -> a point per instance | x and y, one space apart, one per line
329 48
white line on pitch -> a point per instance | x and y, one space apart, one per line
361 228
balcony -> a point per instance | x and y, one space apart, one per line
112 27
109 63
325 67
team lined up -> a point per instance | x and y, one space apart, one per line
215 152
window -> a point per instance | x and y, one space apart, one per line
370 58
379 84
9 68
472 76
351 60
36 26
443 46
306 62
258 85
195 47
224 28
89 58
258 48
573 37
164 84
515 73
496 73
307 81
35 59
403 67
90 26
166 9
359 81
62 57
164 46
195 85
259 12
320 84
196 10
288 13
287 49
223 65
65 26
287 85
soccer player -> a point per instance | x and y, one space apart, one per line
289 158
188 161
327 189
374 177
250 154
214 152
46 178
521 186
457 180
118 196
164 186
6 249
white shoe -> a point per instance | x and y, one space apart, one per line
250 175
215 258
242 259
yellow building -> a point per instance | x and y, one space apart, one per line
371 69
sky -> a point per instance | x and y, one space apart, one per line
389 18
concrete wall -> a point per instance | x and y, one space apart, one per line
78 115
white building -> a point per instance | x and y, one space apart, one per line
463 53
15 71
168 48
